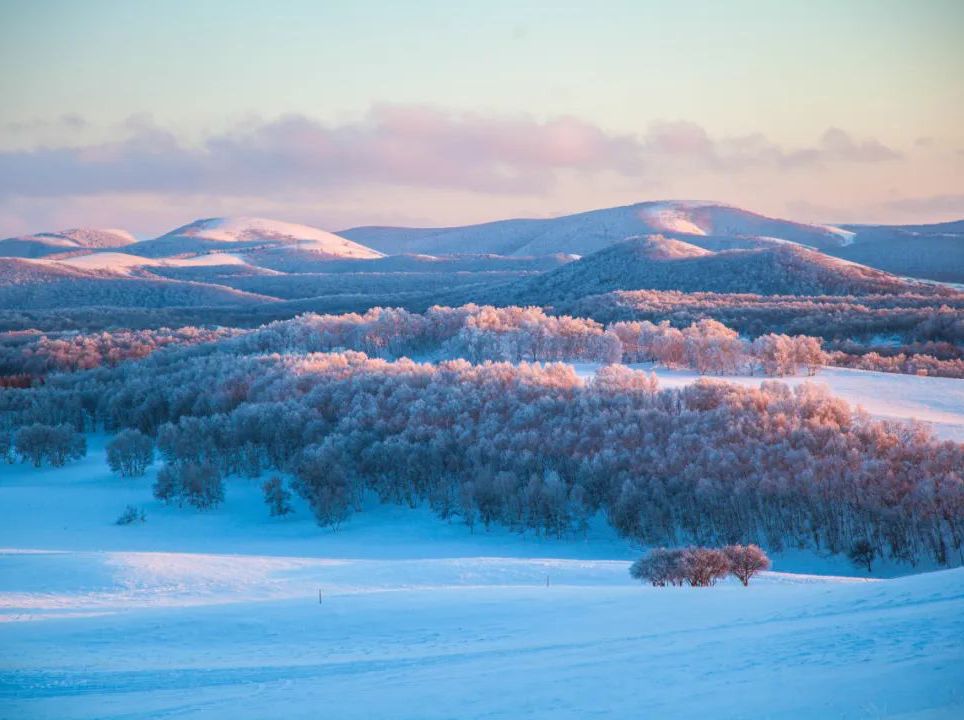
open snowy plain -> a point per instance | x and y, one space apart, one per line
217 614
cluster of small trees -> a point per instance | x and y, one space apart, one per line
710 347
910 316
78 351
130 516
474 332
516 333
197 484
699 566
529 334
39 443
908 364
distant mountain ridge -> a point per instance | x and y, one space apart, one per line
703 224
934 252
685 246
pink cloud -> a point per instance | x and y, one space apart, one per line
399 145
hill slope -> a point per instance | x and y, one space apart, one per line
37 284
658 263
74 240
935 252
246 233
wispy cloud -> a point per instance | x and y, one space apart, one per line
402 145
677 140
67 121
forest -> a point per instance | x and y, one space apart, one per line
522 444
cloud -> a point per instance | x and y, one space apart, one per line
67 121
838 145
401 145
398 145
686 140
930 205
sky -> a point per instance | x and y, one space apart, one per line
146 116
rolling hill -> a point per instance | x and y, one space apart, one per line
76 240
655 262
933 252
241 234
36 285
708 225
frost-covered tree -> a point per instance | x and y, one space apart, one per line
6 447
704 566
660 567
776 354
746 561
326 486
277 497
55 444
130 452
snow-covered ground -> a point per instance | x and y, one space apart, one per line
937 401
122 263
217 614
251 229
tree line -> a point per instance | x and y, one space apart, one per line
481 333
911 317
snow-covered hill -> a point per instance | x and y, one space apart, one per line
216 614
656 262
933 252
249 233
709 225
66 241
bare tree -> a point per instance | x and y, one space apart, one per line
862 553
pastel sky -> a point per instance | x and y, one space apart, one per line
148 115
